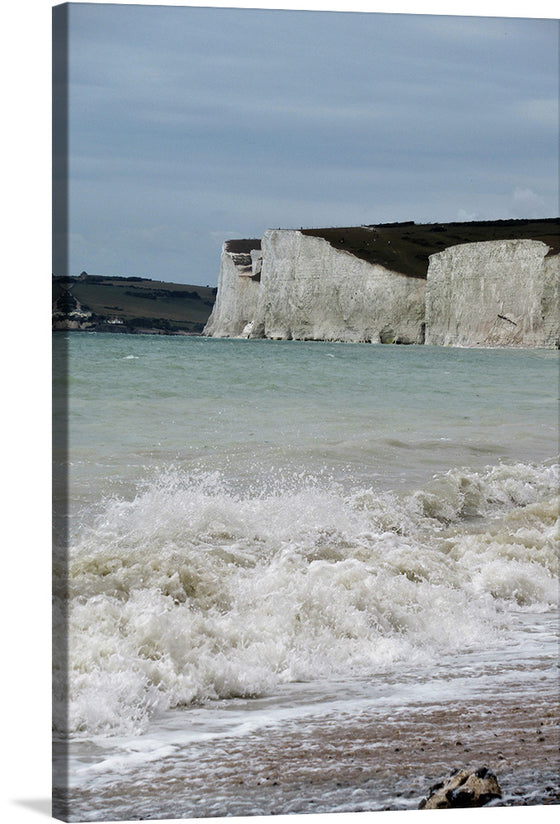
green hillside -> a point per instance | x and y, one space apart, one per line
121 304
405 247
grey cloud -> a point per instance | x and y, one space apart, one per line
184 120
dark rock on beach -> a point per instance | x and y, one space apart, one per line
464 788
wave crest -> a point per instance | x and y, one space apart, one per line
190 592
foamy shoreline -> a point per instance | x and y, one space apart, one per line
348 762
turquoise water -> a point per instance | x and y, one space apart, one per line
279 530
359 412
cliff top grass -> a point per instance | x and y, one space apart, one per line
406 247
243 246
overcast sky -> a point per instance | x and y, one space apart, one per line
189 126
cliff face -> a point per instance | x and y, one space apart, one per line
315 292
499 293
301 286
310 291
236 303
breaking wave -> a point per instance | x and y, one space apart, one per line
191 592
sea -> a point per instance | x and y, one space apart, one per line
276 558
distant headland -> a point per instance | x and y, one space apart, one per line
135 305
478 283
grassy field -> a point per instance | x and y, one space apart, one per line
141 304
405 247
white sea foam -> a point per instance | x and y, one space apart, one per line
190 592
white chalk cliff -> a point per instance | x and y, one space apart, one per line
310 291
297 286
238 292
498 293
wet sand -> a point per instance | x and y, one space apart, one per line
348 763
